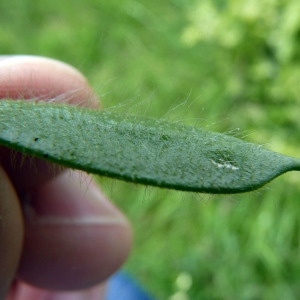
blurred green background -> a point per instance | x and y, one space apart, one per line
231 66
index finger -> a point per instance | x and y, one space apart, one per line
32 77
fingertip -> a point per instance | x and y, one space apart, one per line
42 78
75 238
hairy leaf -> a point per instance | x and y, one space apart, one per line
141 150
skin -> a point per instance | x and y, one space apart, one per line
58 231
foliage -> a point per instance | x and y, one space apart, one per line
235 64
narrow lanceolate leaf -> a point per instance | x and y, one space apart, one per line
139 150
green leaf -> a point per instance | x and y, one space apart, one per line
140 150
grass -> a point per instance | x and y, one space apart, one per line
142 54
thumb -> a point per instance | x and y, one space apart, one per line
11 233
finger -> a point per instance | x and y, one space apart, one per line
51 248
75 238
23 291
34 77
11 233
31 77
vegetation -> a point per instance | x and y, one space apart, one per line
231 64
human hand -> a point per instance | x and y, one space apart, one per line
58 232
